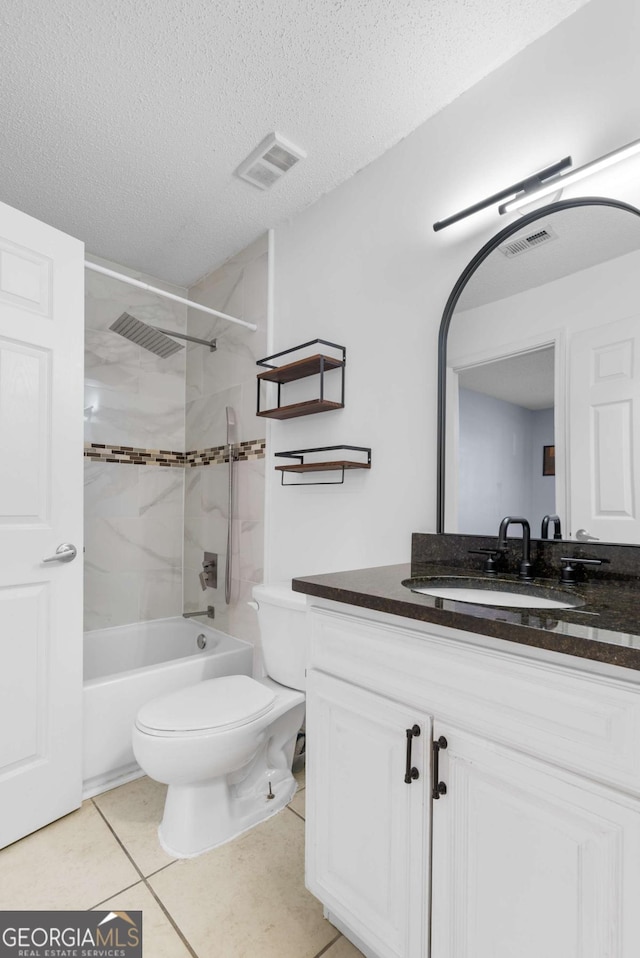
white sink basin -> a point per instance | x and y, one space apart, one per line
497 592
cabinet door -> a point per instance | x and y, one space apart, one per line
529 861
367 829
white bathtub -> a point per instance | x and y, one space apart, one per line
126 666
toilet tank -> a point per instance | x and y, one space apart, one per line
282 617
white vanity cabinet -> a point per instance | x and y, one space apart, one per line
367 853
534 849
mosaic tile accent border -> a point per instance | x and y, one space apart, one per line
134 456
253 449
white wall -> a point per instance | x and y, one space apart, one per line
363 267
500 463
495 477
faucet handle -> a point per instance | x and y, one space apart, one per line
493 556
568 573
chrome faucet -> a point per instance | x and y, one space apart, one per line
525 565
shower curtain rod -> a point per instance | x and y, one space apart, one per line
162 292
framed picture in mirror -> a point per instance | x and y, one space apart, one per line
548 460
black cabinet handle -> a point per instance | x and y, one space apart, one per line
439 788
411 773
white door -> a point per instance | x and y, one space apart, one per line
367 830
604 426
41 442
530 862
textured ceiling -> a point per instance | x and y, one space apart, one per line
526 380
122 122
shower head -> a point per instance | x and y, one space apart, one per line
146 336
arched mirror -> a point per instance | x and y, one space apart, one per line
539 377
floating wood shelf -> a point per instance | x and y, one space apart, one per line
311 366
305 408
316 365
333 465
324 466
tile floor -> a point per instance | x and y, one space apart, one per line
245 899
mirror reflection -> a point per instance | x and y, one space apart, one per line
543 380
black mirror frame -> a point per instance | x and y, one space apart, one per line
449 309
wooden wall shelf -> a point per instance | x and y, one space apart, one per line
306 408
316 365
323 465
300 369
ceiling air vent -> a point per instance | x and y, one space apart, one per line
272 159
523 243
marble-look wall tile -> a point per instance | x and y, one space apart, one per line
110 491
206 419
240 289
133 419
206 510
204 534
134 543
214 381
147 528
243 621
132 397
110 599
248 560
160 594
160 492
250 489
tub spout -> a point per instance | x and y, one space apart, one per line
210 612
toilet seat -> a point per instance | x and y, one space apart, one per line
213 705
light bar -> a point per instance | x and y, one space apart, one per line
573 176
529 184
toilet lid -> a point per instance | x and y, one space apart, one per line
223 703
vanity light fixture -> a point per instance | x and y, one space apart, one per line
573 176
545 182
530 184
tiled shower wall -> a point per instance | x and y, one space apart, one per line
215 381
141 520
133 513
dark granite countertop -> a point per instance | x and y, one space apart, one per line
606 628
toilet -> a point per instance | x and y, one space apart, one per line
225 746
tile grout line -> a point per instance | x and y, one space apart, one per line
326 948
170 919
122 890
113 832
158 870
146 883
295 813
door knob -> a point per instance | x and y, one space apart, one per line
66 552
582 535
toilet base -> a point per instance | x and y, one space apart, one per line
201 815
187 836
